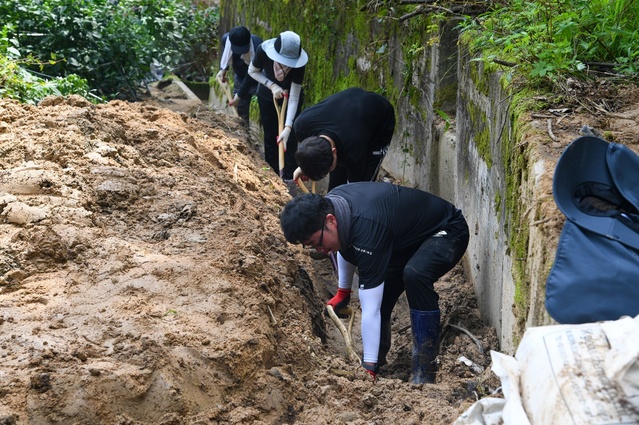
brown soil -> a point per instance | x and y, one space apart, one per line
144 279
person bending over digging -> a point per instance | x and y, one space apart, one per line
239 47
399 239
279 66
346 134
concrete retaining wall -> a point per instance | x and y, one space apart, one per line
449 164
455 137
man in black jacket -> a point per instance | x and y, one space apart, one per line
346 134
399 239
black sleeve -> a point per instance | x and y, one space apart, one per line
300 126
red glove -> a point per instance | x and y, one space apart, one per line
340 301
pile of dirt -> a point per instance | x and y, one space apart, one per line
144 279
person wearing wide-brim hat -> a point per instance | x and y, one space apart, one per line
279 65
239 47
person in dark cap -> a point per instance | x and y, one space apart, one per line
346 134
278 66
239 48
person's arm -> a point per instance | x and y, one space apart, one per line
293 102
291 110
299 174
257 75
245 89
371 303
224 61
345 273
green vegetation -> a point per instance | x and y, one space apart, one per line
541 42
111 44
551 40
28 87
539 45
516 157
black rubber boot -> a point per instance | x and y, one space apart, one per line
384 342
425 328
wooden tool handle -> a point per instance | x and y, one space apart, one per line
229 96
281 117
346 333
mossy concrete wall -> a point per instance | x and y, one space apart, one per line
458 134
483 127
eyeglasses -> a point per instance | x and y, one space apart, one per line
321 238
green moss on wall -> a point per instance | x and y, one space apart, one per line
479 77
497 203
445 95
515 158
482 136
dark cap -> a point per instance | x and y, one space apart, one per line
594 178
240 38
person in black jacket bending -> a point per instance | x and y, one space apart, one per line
346 134
239 47
400 239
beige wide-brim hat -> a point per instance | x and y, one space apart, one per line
286 49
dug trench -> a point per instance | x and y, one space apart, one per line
144 279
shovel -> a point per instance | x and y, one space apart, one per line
229 95
346 333
281 117
302 186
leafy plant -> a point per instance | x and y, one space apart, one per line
110 43
201 41
19 83
444 116
552 38
169 311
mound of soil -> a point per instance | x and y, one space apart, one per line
144 279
